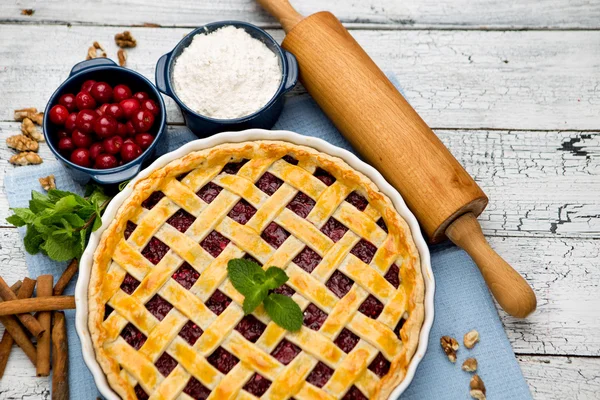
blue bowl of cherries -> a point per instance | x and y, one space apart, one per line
104 121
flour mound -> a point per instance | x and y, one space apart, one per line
226 74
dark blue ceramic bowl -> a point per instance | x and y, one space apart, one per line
103 69
264 118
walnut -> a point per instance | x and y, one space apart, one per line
122 55
470 339
470 365
450 346
22 143
25 158
29 129
48 182
31 113
93 51
477 388
28 11
125 40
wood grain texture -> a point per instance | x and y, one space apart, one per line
454 79
444 14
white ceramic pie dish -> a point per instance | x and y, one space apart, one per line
81 290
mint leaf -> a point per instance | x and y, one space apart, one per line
55 194
275 277
24 214
246 276
60 250
15 220
66 204
32 240
284 311
253 300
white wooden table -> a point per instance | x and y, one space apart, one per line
512 87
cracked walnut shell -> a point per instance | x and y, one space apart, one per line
477 388
470 339
25 158
450 346
22 143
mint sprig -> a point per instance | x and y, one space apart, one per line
257 285
59 223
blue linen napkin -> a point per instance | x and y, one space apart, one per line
462 301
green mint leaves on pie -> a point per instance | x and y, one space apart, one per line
59 223
257 285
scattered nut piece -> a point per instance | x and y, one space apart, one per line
471 338
470 365
23 113
28 11
125 40
29 129
48 182
22 143
122 57
25 158
450 346
93 51
477 388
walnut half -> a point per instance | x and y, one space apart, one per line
450 346
471 338
477 388
470 365
29 129
125 40
48 182
22 143
25 158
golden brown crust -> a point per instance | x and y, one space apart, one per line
401 247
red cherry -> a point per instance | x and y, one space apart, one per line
144 140
81 157
121 92
142 121
151 106
105 161
129 140
70 122
130 151
121 129
114 110
102 92
58 114
105 126
96 149
113 145
129 107
85 101
68 100
62 134
130 128
85 120
87 85
140 96
66 145
103 108
82 140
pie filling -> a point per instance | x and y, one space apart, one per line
252 328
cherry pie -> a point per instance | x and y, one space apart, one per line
166 323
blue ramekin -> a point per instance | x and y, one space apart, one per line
105 70
264 118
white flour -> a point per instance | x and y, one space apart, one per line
226 74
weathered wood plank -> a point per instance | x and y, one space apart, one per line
455 79
557 378
543 184
483 14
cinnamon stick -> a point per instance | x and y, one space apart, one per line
14 333
66 277
45 283
60 347
27 319
37 304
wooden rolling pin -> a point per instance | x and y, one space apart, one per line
389 134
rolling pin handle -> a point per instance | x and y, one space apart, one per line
511 290
283 11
